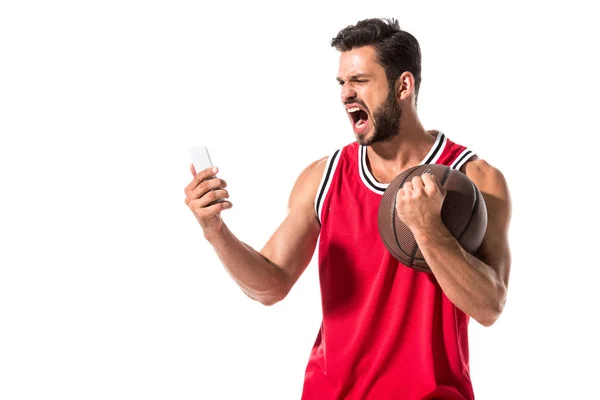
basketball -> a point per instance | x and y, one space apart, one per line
463 212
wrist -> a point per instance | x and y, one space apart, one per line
215 235
433 232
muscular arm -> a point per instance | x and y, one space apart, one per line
475 284
267 276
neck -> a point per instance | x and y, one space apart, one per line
388 159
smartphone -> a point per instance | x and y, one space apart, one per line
200 157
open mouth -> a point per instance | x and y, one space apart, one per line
359 118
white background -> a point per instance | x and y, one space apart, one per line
107 287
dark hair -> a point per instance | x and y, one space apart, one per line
397 50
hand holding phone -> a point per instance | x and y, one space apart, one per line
201 160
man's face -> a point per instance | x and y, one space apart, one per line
372 107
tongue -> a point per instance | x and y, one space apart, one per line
362 119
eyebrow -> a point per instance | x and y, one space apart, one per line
354 77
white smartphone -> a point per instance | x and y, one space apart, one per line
200 157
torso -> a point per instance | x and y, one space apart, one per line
388 331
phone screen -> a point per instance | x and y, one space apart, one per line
200 157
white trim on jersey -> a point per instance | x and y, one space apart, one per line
326 179
436 150
462 158
365 174
367 177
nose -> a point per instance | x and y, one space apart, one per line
348 92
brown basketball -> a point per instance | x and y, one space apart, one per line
463 212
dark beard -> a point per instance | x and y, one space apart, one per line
386 121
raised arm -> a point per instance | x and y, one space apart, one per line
266 276
475 284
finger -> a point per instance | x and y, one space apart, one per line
193 169
418 186
211 209
432 184
407 187
417 182
218 207
429 182
400 192
201 177
206 187
211 197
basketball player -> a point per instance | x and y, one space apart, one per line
388 331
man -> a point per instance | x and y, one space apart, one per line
388 331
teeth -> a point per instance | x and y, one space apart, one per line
360 124
353 109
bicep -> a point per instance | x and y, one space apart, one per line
495 249
292 246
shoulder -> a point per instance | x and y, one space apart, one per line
315 170
317 173
483 173
492 184
315 177
307 183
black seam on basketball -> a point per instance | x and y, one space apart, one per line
475 190
395 233
445 176
394 223
436 149
414 253
397 256
387 246
362 169
458 161
320 198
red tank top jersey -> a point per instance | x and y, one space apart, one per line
388 331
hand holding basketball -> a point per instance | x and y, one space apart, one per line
419 203
414 202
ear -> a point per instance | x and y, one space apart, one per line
405 86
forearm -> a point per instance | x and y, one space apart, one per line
259 278
470 284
